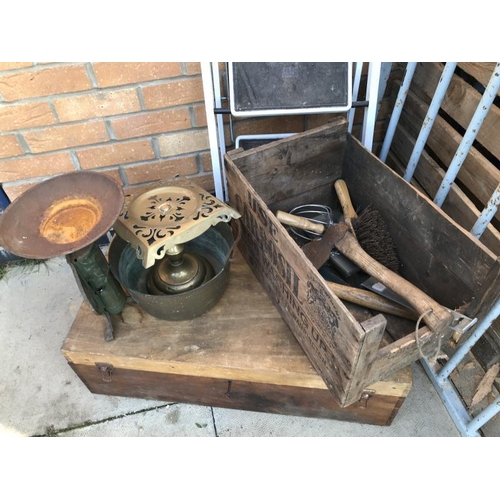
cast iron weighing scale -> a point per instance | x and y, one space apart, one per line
170 252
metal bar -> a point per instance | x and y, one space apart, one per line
398 108
486 415
452 402
208 91
487 214
371 112
429 119
354 104
478 331
355 92
385 72
220 126
470 135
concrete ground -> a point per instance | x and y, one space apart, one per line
40 395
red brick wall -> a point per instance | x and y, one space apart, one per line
136 122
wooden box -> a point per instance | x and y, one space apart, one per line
239 355
438 256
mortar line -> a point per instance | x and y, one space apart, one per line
110 130
53 109
156 148
24 145
140 96
199 164
91 75
75 160
192 117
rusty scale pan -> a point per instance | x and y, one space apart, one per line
61 215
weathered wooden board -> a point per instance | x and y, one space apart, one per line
239 355
278 168
481 71
460 103
423 233
378 409
477 173
429 175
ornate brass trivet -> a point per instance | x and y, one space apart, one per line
169 214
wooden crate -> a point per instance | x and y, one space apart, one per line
479 175
438 256
239 355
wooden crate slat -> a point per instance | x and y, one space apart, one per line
460 103
481 71
477 173
429 175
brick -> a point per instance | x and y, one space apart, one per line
160 170
19 116
111 74
206 161
114 173
4 66
115 154
183 142
28 167
193 68
150 123
206 182
66 136
201 115
9 146
173 93
13 191
97 104
43 82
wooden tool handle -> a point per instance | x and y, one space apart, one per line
300 222
436 317
371 300
345 199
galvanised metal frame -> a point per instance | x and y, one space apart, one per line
467 426
213 130
214 112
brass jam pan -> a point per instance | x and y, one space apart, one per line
61 215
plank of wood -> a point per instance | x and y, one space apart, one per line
374 330
422 232
481 71
394 162
460 102
279 167
429 175
486 384
484 300
402 352
478 174
379 409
